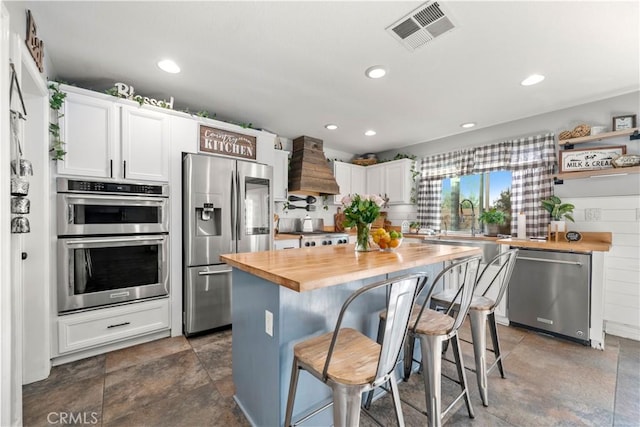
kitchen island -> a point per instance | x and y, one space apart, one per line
283 297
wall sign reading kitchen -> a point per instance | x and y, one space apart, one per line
227 143
589 159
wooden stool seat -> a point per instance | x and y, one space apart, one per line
354 360
433 323
478 302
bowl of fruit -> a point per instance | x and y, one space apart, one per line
387 240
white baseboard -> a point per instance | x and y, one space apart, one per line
622 330
72 357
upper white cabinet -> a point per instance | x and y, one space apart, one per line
106 139
89 129
145 144
393 179
350 178
375 179
280 175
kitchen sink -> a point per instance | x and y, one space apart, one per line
489 247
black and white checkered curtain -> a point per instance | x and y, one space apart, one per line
528 188
531 161
432 170
429 193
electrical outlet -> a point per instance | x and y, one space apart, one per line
597 214
588 214
268 322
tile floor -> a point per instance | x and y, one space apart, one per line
187 382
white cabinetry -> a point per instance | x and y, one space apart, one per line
391 179
280 175
89 329
89 130
350 178
105 138
145 144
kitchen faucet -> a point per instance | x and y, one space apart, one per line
473 216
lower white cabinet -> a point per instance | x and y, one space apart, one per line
286 244
84 330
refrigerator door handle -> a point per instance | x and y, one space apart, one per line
238 207
211 273
233 208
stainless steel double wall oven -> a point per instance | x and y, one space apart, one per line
112 242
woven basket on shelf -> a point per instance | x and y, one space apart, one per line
565 134
364 162
581 130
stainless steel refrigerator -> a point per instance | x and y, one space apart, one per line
227 208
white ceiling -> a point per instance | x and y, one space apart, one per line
292 67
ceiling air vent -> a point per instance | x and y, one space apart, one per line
421 26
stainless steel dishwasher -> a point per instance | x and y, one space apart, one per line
550 291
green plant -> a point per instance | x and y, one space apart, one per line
414 224
557 209
492 216
56 101
361 209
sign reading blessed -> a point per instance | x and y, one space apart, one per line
34 44
218 141
590 158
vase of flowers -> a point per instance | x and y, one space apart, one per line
360 211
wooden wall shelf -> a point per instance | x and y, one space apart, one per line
598 172
598 137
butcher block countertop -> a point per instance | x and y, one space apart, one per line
591 241
285 236
306 269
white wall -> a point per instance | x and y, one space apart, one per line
616 197
621 216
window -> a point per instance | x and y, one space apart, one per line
464 198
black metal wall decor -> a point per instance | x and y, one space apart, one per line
20 168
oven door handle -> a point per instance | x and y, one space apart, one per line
70 214
118 201
113 240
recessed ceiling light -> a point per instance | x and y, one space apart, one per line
169 66
331 126
468 125
375 72
532 80
370 132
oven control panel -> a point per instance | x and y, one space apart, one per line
82 186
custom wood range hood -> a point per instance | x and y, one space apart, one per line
309 171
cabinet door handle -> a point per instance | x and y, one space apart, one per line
118 324
111 168
124 169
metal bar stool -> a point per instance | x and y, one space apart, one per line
352 363
432 328
481 310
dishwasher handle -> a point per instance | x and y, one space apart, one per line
552 261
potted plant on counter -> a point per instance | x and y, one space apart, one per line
492 219
414 227
558 212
